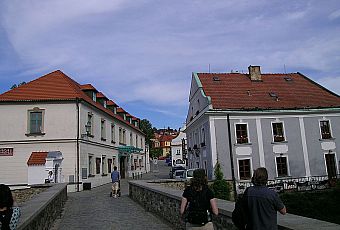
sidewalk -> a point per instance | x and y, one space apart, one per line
95 209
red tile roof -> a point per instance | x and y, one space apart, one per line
55 86
237 91
88 87
120 110
100 95
166 138
110 102
37 158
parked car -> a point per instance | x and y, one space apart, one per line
179 162
173 170
184 174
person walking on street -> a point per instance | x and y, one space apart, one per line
263 203
198 202
115 177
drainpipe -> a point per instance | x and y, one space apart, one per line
231 158
78 124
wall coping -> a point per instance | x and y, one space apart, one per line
288 221
31 209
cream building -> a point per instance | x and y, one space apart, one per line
55 124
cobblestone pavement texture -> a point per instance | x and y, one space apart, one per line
95 209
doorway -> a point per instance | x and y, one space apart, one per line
331 165
122 164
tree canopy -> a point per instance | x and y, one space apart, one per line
146 127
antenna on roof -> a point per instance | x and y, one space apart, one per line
209 68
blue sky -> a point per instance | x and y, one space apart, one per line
141 53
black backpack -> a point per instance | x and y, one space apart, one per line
240 213
198 208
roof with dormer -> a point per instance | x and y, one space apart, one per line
55 86
274 91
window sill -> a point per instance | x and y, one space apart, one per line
90 175
103 139
278 142
90 135
238 144
34 134
113 142
104 174
121 143
328 139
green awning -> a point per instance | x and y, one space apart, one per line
127 149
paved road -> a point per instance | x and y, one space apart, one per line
94 209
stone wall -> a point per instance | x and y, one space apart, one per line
41 211
164 201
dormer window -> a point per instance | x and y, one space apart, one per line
115 110
94 96
104 104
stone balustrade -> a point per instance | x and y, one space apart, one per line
41 211
164 201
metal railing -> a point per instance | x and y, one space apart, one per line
294 183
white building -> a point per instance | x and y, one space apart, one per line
178 148
55 124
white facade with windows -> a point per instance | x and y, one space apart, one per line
85 132
292 138
178 148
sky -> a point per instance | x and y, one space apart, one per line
141 53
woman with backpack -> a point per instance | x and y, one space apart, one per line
198 202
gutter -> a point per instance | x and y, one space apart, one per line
231 158
78 124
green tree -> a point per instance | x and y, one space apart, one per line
146 127
220 186
155 152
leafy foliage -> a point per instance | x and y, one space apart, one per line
146 127
322 205
220 186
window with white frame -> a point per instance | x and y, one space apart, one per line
113 133
102 129
104 166
120 135
91 165
36 121
202 137
124 136
282 166
109 165
136 140
241 133
89 123
278 132
244 169
131 140
178 152
325 129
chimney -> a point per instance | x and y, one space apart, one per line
255 73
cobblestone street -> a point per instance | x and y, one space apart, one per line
95 209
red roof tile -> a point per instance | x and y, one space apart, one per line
88 87
37 158
54 86
110 102
120 110
100 95
237 91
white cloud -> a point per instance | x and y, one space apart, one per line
331 83
334 15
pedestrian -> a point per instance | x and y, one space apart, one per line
9 211
115 177
198 202
50 177
263 203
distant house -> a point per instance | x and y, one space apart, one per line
178 148
284 122
54 125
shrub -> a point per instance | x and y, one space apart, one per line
220 187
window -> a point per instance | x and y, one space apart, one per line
131 141
281 166
103 130
120 135
103 165
136 140
90 122
241 133
244 169
325 130
113 133
36 121
124 136
178 152
141 142
202 137
90 165
278 133
109 165
98 161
